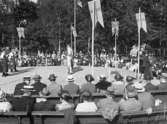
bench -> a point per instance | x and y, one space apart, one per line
15 117
55 117
157 117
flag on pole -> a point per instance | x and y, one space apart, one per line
20 31
141 21
96 5
79 3
73 31
115 27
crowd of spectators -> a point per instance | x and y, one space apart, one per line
135 94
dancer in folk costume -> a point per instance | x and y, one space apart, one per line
69 59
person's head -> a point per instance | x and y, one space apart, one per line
118 77
70 79
102 78
86 95
89 78
130 79
36 78
131 91
52 77
26 80
2 95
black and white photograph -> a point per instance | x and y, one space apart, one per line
83 61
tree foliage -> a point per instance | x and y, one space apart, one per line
51 21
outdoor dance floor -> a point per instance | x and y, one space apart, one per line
8 83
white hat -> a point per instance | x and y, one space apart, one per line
70 78
139 87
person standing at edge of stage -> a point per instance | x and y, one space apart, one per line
69 59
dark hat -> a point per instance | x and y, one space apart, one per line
129 79
131 91
36 77
89 78
52 77
27 78
118 77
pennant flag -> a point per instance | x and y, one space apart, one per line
141 21
96 5
115 27
73 31
20 31
79 3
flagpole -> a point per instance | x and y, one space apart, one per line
115 44
71 36
93 32
75 6
139 44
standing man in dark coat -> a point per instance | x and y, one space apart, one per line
4 62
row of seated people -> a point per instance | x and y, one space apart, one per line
136 98
118 83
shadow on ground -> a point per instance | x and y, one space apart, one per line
21 71
77 69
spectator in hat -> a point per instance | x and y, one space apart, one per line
42 104
107 106
53 88
163 83
146 99
130 80
65 99
102 85
5 105
149 86
88 85
87 105
18 88
38 86
118 85
71 87
130 102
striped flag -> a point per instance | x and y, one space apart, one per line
96 5
141 21
115 27
20 31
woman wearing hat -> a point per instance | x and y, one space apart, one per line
103 84
163 83
130 103
88 85
53 88
118 85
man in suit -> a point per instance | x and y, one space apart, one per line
37 85
19 87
